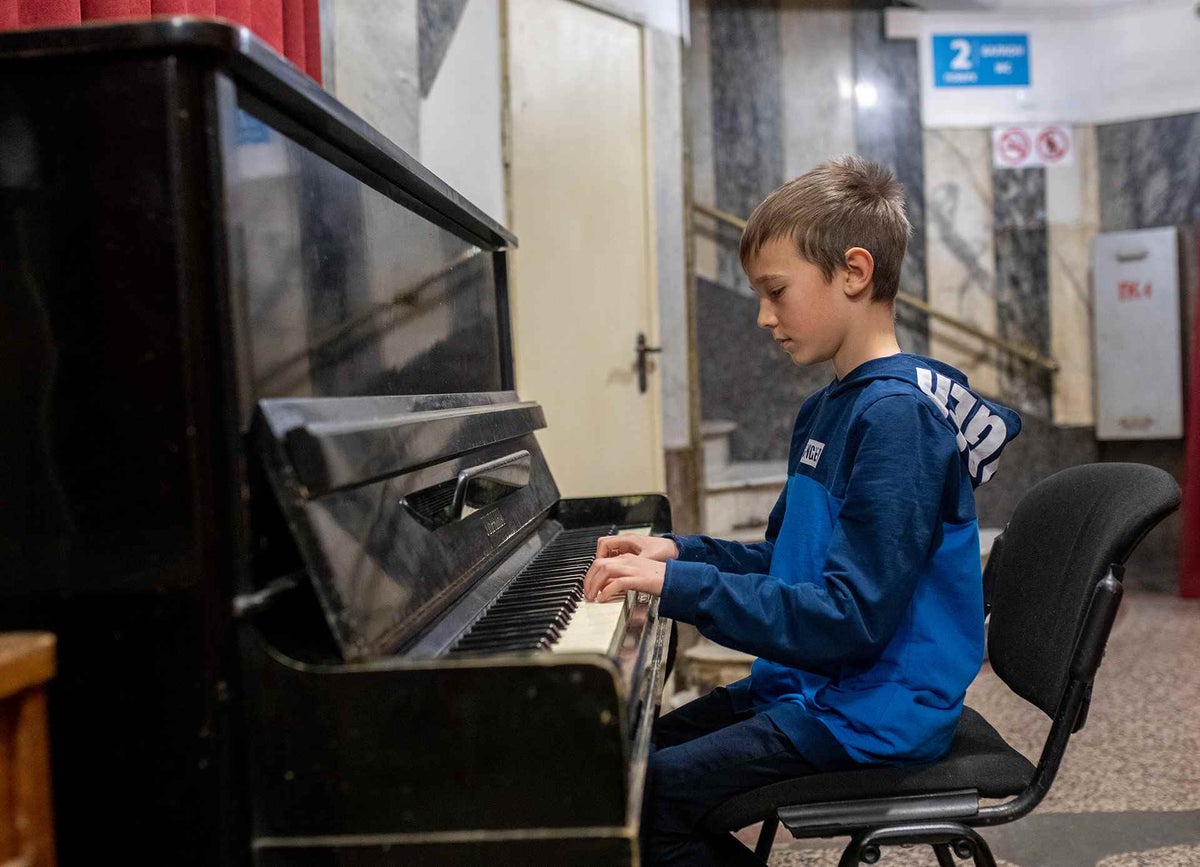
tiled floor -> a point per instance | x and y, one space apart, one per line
1128 792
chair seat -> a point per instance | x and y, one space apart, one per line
979 759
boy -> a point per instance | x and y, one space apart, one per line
864 603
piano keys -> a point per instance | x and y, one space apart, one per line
313 583
544 609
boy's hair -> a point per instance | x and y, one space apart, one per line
846 202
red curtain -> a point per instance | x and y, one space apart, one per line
291 27
1189 559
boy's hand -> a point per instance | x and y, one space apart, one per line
653 547
610 577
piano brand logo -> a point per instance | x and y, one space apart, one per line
812 453
493 523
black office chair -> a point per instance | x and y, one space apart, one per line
1055 584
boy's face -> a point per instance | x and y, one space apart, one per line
796 303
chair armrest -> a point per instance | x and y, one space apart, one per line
1102 612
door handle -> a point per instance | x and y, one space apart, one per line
642 351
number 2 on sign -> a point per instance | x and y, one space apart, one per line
1130 290
962 59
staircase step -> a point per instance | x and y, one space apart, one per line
714 435
746 474
741 495
709 665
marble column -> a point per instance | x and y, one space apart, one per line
1073 219
1149 172
700 130
1022 283
376 67
437 21
665 115
960 249
818 85
747 116
887 125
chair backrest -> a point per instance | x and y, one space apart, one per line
1063 536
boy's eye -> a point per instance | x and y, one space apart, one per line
775 293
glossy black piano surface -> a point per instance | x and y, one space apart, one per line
206 265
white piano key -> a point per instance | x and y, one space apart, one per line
591 628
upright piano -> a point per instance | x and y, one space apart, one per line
264 473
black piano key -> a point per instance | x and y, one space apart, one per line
507 647
539 596
560 600
529 614
518 630
539 626
532 608
500 639
536 616
577 572
560 561
554 573
528 586
564 575
542 621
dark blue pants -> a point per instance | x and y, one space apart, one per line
705 754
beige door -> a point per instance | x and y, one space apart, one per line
582 278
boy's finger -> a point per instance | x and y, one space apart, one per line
591 579
610 546
612 589
599 582
599 572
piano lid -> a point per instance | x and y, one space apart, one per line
400 504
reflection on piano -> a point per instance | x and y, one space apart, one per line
315 589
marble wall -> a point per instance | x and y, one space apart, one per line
747 116
376 64
887 121
961 249
437 21
1022 283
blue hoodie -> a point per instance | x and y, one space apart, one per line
864 603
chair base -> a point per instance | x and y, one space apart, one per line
947 839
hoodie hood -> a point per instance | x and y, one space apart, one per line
982 427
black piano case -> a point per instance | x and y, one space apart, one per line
195 241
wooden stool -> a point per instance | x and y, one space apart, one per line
26 817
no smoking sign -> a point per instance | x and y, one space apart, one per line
1020 146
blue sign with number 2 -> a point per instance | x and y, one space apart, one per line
981 60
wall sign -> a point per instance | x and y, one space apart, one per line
1138 335
981 60
1021 146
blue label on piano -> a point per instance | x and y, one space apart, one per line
251 130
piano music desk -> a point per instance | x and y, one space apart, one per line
26 820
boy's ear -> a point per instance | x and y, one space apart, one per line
860 270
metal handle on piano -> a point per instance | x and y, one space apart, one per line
642 351
486 484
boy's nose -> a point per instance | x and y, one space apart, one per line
766 318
